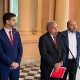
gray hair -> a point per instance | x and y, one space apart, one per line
49 24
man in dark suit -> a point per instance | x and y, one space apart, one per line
10 49
71 39
51 50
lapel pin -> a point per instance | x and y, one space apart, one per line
77 36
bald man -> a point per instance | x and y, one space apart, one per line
51 50
71 38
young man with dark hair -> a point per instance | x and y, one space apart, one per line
10 49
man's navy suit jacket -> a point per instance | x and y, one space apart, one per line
9 53
65 38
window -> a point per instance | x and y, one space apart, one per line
14 9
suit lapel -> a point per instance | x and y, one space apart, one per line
65 38
14 37
6 38
58 42
51 41
77 37
78 41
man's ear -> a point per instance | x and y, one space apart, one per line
67 27
7 21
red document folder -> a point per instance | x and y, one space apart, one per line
59 73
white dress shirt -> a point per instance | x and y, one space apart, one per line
72 44
7 32
52 37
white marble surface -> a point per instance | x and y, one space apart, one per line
78 75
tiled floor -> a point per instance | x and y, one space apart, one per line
32 72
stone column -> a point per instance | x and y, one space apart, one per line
39 16
48 7
25 27
24 16
62 13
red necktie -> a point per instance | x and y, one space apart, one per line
55 41
11 38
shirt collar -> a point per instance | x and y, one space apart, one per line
7 30
71 32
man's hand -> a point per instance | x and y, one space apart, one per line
14 65
57 66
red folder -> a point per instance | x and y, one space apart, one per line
59 73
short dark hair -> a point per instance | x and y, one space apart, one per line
8 16
68 23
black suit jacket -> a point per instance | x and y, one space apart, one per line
50 54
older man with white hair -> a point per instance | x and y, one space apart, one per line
52 51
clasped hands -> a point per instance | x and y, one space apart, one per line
14 65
